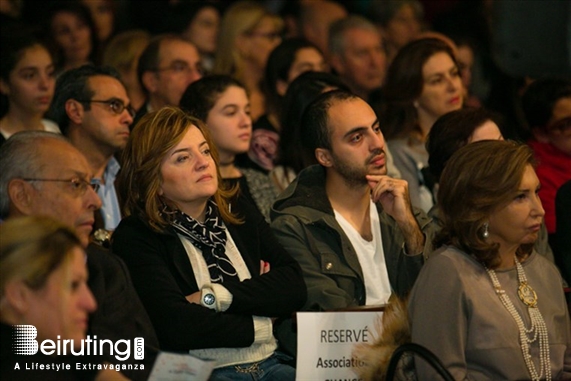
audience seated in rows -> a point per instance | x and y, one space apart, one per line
349 225
43 174
222 103
205 263
464 308
94 112
347 195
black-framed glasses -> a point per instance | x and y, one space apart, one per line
116 106
76 184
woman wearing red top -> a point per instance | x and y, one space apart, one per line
547 108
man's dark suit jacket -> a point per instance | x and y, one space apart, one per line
120 313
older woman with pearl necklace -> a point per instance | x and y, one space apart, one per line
486 303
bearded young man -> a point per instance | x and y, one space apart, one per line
349 225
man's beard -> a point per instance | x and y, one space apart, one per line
354 175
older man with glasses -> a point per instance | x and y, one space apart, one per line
41 173
93 110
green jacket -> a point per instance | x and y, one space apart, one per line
304 223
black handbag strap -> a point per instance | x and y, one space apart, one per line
421 351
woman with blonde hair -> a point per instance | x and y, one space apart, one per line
206 265
43 289
122 53
248 34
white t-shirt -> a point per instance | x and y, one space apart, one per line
371 257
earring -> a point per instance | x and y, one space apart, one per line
485 232
415 104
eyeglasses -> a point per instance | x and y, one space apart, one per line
181 67
115 105
77 185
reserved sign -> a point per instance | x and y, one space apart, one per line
325 341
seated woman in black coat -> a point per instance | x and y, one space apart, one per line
202 258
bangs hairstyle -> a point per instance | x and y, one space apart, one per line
32 248
478 180
140 178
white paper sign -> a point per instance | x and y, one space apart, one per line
325 341
180 367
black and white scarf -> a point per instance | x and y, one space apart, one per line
210 238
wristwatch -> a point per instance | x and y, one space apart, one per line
207 298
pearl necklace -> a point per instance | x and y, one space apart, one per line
537 328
